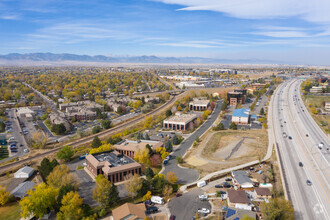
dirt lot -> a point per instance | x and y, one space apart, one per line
224 149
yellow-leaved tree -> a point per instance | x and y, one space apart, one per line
60 176
4 196
71 207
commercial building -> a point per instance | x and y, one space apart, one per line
129 211
189 85
327 106
114 166
241 116
179 122
26 112
238 96
316 89
129 147
56 119
24 172
199 104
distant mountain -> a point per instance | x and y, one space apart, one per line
60 58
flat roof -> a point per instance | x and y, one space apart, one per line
114 159
136 145
183 118
200 102
241 112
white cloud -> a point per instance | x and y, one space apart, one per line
308 10
10 17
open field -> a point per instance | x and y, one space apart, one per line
224 149
10 211
317 102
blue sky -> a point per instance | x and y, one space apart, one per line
293 31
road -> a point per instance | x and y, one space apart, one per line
87 140
291 116
185 175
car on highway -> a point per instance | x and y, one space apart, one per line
320 145
290 137
301 164
309 183
203 211
306 135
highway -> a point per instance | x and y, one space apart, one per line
300 145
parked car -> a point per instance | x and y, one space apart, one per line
151 209
203 211
26 150
228 179
202 197
172 217
301 164
309 183
178 194
222 192
218 186
290 138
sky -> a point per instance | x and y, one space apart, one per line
289 31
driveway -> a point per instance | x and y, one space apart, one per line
190 175
186 206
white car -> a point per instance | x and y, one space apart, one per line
321 145
12 138
26 150
203 211
202 197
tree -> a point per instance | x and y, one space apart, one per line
4 196
133 185
39 140
58 129
149 173
277 209
106 124
105 192
149 149
71 207
63 191
168 113
169 146
147 196
179 108
96 129
46 167
147 122
38 201
220 126
139 136
233 126
60 176
146 136
262 111
167 191
142 155
65 153
113 141
175 140
179 159
246 217
102 148
158 184
96 142
2 126
171 177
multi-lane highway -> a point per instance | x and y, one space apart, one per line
297 137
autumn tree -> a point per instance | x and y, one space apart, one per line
102 148
158 183
142 155
39 140
147 196
133 185
96 142
167 191
105 192
65 153
71 207
171 177
277 208
38 201
60 176
4 196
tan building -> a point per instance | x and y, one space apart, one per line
179 121
56 119
25 112
199 104
263 193
129 147
327 106
129 211
113 165
316 89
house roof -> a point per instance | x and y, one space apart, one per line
237 196
137 145
25 169
241 112
129 209
242 179
262 191
21 190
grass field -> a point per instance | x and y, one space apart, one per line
4 152
10 211
316 101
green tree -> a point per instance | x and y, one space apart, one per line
146 136
65 153
175 140
262 111
139 136
149 173
233 126
158 184
38 201
169 146
168 113
46 167
106 124
71 207
105 192
278 209
179 159
2 126
149 149
58 129
63 191
220 126
96 142
96 129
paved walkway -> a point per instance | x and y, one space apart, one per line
186 175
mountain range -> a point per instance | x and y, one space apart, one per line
13 58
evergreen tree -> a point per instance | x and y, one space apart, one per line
96 142
139 136
169 146
146 136
262 111
176 140
149 173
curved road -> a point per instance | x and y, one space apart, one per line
291 116
186 175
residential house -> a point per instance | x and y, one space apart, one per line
21 190
241 180
263 193
129 211
237 198
24 172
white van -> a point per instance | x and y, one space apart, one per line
201 184
157 200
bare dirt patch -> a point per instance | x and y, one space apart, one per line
224 149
